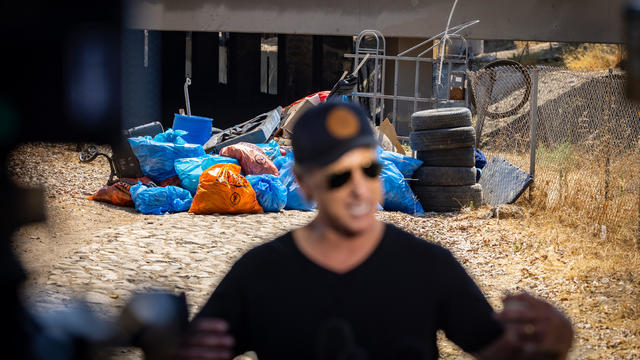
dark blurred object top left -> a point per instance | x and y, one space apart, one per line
61 71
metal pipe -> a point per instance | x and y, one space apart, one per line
403 58
416 86
454 30
375 81
187 82
146 48
395 96
187 62
534 129
455 36
384 65
399 97
187 72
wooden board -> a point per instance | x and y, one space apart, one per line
388 129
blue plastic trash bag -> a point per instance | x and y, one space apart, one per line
160 200
190 169
406 164
157 155
398 196
272 149
215 159
481 160
295 198
280 161
171 136
271 193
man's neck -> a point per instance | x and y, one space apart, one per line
324 234
336 250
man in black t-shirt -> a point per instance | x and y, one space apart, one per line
348 286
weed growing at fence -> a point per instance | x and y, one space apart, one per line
593 56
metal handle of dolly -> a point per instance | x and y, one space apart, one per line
187 82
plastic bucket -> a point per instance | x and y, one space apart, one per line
198 128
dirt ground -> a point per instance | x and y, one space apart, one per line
105 253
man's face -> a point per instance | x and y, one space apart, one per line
350 207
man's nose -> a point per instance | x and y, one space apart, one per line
359 185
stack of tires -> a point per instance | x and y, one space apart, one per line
444 140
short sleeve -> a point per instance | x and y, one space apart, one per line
464 313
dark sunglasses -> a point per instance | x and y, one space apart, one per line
339 179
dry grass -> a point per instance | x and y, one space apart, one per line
585 191
594 56
524 44
585 208
575 56
595 282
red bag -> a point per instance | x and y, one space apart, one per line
251 158
321 94
118 193
174 180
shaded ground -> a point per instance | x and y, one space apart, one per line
107 253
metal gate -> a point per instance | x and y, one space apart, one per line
375 90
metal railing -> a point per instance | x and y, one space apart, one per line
378 54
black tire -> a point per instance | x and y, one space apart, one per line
441 118
444 176
448 198
450 157
442 139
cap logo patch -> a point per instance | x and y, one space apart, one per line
342 123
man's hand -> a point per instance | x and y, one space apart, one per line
542 330
207 339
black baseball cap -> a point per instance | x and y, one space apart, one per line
329 130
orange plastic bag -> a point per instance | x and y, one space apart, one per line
252 159
222 190
118 193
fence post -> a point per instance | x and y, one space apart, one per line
533 119
479 124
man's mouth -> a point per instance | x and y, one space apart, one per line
359 209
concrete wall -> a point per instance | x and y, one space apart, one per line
544 20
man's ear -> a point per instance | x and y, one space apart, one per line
303 180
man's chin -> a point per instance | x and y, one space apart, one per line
353 226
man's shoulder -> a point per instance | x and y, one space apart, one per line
269 251
410 243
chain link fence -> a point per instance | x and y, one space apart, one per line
587 145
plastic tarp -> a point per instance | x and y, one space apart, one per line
252 159
160 200
406 164
271 193
398 195
157 155
222 190
295 198
190 169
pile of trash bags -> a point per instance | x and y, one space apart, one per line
227 175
